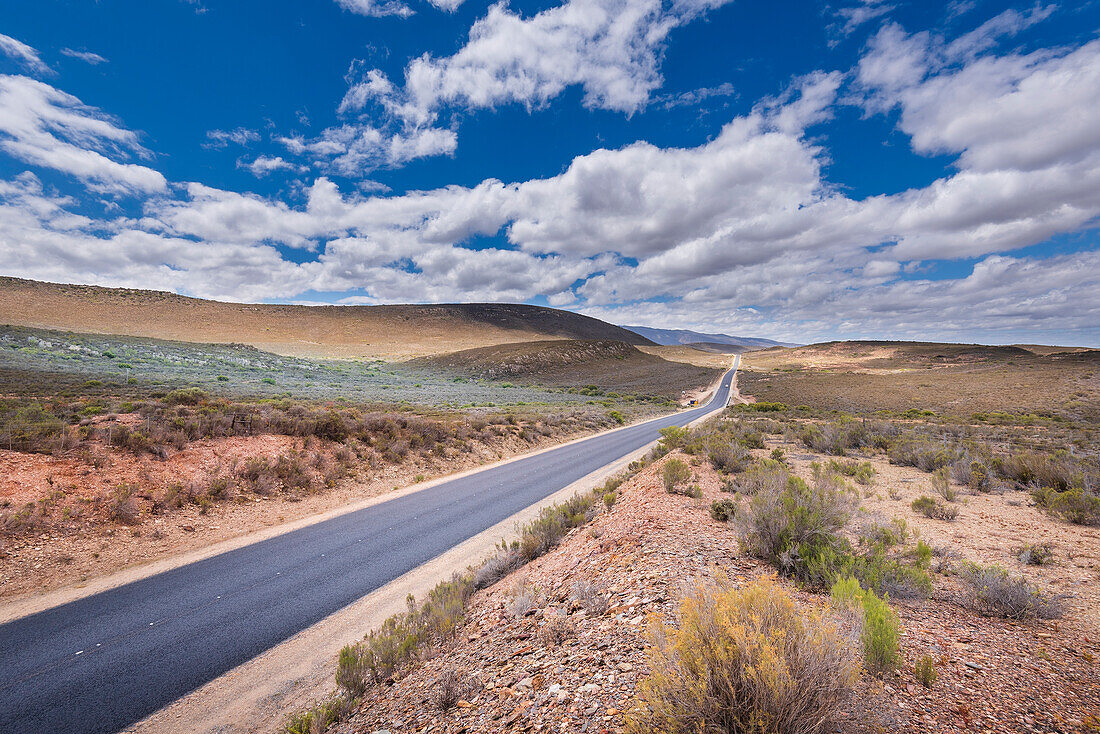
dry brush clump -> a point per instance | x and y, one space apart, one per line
934 509
993 592
745 660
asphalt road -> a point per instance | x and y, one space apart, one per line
98 664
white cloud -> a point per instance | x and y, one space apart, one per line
355 150
853 16
372 8
609 48
238 136
87 57
23 54
46 127
263 165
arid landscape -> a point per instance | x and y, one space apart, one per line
564 367
954 487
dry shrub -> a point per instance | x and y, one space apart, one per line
674 473
590 597
318 718
991 591
745 660
1036 554
450 687
123 506
934 510
556 629
788 520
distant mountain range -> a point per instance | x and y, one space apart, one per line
709 342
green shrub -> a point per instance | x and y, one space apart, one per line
728 457
875 571
318 718
674 473
723 510
880 624
788 522
185 396
609 499
744 660
1036 554
617 417
836 437
386 651
1074 505
861 471
924 670
886 535
941 482
763 476
922 453
935 510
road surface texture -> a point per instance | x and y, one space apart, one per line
103 662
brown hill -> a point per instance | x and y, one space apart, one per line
395 332
884 355
609 365
953 379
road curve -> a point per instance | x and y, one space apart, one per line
103 662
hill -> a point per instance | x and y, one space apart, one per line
949 379
608 365
393 332
671 337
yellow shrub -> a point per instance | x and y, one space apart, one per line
744 661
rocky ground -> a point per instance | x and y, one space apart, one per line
560 645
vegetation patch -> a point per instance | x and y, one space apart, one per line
744 660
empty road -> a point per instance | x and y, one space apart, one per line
98 664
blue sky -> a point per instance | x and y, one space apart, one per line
869 169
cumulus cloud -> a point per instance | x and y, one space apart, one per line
355 149
46 127
611 49
24 55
